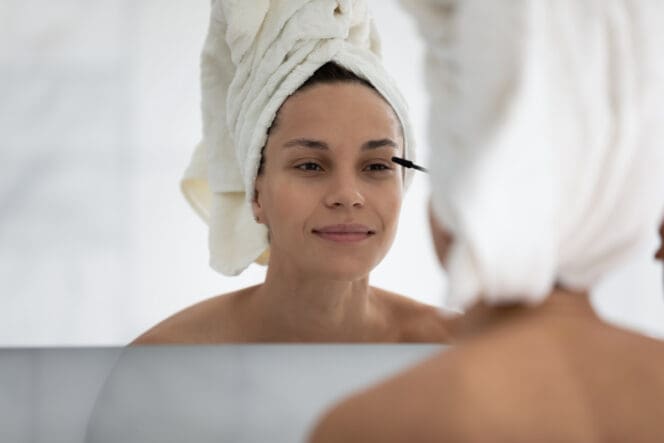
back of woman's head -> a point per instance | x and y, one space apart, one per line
547 166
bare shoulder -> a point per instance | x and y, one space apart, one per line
457 395
420 404
417 322
494 385
214 320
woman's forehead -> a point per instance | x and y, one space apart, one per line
371 145
338 106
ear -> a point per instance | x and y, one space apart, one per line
256 206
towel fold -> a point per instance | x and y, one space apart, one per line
256 54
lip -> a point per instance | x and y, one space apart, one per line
344 233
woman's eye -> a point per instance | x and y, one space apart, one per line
378 167
309 166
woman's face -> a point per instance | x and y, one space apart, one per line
328 192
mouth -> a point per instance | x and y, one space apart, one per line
344 233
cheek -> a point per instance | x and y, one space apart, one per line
275 206
285 204
389 206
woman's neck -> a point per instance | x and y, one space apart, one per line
295 307
561 307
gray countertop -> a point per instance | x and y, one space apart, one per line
226 393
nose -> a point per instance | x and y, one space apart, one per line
344 192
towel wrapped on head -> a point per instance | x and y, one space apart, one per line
256 54
548 121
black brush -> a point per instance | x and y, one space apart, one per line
408 164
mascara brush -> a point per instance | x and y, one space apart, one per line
408 164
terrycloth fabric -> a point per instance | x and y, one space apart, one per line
547 131
256 54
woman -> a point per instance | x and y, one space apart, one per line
314 151
553 372
547 173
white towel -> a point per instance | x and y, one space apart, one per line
548 122
256 54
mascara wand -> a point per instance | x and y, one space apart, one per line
408 164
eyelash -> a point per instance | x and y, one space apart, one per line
383 167
306 167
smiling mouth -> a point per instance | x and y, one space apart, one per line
344 233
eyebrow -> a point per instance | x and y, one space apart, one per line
317 144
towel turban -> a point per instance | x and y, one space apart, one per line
548 122
256 54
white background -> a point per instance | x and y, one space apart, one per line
99 113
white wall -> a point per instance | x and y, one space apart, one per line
99 115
